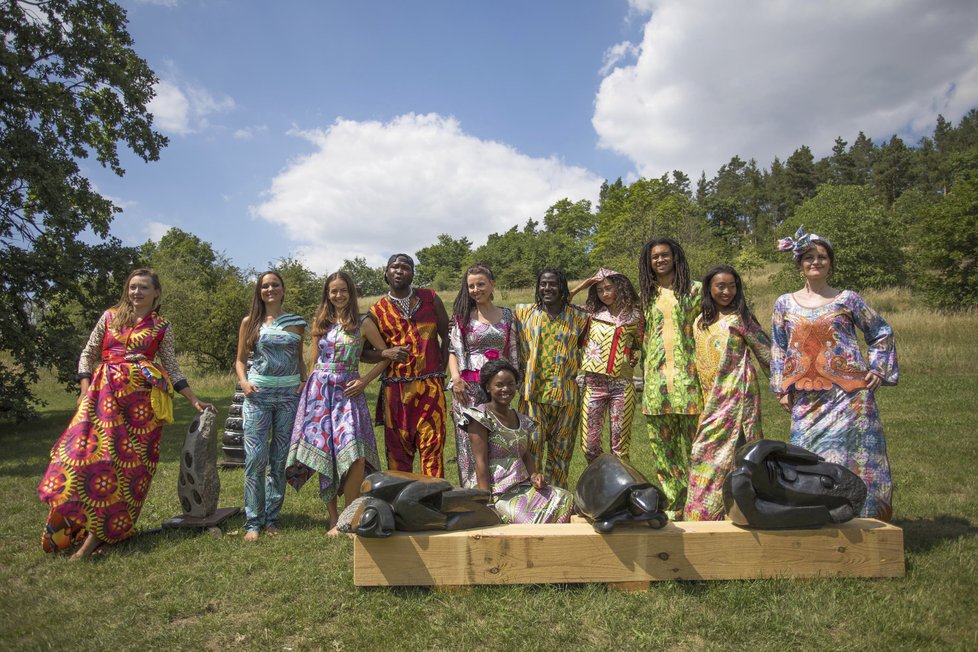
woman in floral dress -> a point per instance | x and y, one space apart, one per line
102 465
480 331
821 377
726 335
500 443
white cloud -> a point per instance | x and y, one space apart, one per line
759 79
156 230
372 189
248 133
182 108
616 54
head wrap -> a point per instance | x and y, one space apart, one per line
603 273
410 261
801 243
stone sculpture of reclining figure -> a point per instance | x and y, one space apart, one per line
777 485
611 491
410 502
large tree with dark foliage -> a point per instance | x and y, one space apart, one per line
71 87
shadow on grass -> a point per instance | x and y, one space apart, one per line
923 534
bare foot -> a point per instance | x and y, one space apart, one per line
86 549
271 530
251 535
333 532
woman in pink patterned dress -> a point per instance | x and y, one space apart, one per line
333 434
726 335
102 465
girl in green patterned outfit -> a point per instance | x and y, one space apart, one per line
671 399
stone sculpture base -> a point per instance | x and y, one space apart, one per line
212 520
630 557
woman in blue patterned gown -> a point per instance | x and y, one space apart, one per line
273 339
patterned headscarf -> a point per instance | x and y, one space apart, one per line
801 243
603 273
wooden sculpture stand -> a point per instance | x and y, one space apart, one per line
630 558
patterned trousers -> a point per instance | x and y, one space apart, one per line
270 409
557 425
671 436
414 420
603 394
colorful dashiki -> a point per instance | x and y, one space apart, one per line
549 353
816 354
513 497
608 385
275 371
332 431
481 343
411 404
671 400
103 464
731 410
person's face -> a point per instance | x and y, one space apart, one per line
723 289
502 387
815 263
400 274
142 293
660 260
607 293
480 288
271 288
338 293
549 289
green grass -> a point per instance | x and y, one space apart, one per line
181 589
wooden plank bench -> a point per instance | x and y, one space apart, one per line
630 557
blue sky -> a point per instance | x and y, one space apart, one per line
333 129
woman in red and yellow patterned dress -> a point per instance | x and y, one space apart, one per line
102 465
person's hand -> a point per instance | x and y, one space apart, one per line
248 388
200 406
538 481
395 354
354 388
459 388
786 401
873 381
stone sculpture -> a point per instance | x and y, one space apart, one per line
611 492
777 485
396 500
199 486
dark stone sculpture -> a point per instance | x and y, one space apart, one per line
199 486
777 485
410 502
611 491
232 441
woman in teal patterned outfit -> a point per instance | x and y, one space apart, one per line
273 338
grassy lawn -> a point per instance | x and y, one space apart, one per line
182 589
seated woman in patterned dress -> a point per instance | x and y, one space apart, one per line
499 437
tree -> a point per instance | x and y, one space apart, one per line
303 287
71 87
369 280
867 252
440 264
948 248
204 296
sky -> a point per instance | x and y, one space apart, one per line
326 130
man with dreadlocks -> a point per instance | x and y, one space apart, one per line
671 400
411 405
551 335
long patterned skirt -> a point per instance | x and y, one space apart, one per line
331 432
845 428
103 464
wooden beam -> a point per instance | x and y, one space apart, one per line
574 552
